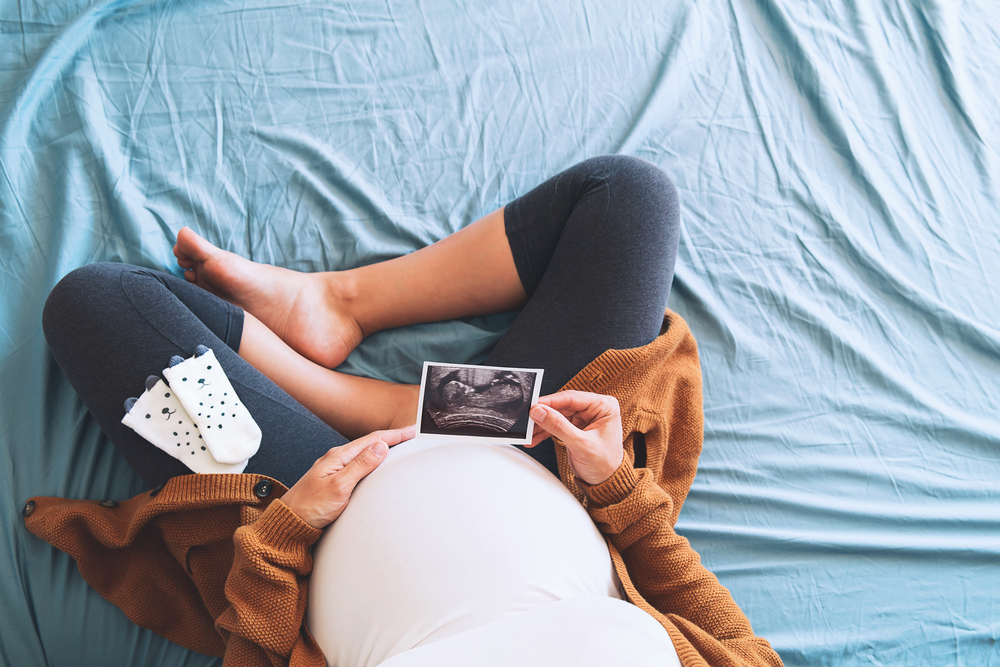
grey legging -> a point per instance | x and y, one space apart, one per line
594 248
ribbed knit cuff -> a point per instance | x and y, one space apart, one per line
282 529
614 489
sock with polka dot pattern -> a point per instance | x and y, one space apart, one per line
159 417
228 430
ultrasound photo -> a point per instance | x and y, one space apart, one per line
479 403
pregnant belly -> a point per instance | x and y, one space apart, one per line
443 538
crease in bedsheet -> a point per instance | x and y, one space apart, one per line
837 169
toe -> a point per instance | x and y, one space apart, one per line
191 246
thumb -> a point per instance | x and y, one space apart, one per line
553 422
362 464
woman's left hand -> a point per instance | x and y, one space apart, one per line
322 493
590 425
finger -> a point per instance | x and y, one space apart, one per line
570 399
397 435
538 435
570 403
344 454
581 419
586 410
553 422
362 464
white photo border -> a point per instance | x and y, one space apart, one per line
496 440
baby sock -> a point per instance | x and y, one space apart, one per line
160 418
228 430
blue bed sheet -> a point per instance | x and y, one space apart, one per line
839 263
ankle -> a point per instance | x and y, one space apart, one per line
362 296
342 293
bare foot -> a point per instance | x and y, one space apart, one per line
309 311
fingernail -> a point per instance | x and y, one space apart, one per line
538 413
380 449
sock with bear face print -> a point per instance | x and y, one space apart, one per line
228 430
159 417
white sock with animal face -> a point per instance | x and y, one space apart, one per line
228 430
159 417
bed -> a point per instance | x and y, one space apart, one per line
839 262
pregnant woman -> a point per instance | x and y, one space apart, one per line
554 553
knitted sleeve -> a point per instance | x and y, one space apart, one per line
267 590
634 513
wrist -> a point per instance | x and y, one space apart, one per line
293 503
596 476
612 490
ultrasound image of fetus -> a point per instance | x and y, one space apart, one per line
478 401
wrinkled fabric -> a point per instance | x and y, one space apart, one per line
839 258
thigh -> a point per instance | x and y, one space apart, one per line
109 326
595 248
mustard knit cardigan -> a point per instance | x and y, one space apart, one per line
218 564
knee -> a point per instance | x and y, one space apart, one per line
83 284
75 295
644 196
639 179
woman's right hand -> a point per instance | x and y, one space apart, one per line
589 425
323 492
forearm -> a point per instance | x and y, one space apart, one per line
634 513
267 590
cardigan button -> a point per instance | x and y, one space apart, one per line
159 487
29 508
263 489
109 503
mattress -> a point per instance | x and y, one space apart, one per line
839 261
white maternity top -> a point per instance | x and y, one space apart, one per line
458 554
